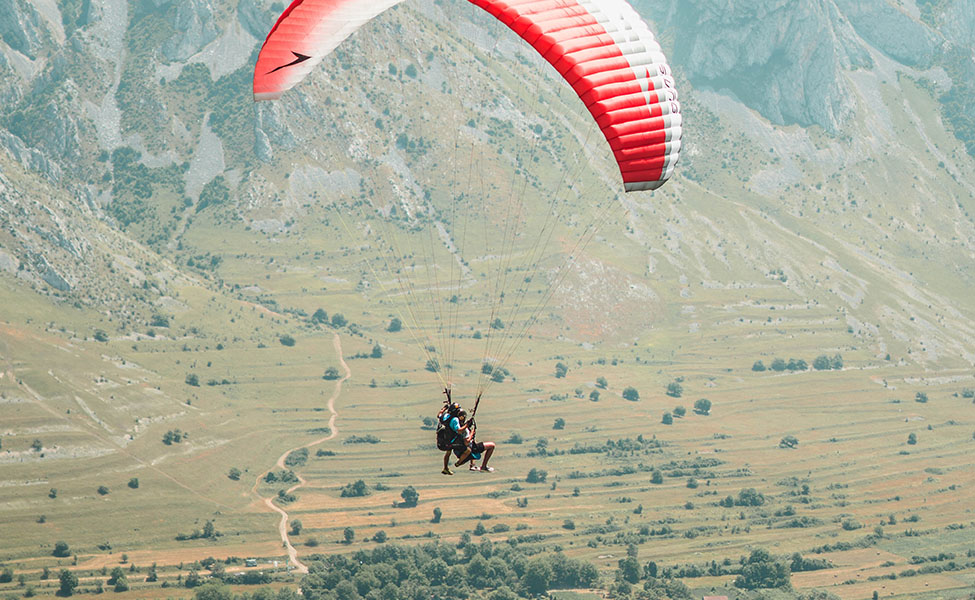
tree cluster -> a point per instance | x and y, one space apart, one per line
484 570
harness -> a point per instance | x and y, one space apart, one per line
447 438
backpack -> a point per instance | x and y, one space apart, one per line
445 435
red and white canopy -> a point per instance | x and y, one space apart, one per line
602 48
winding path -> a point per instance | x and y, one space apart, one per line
269 502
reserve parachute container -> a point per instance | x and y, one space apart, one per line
602 48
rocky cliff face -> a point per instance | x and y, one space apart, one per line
789 60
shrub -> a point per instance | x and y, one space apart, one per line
675 389
536 476
702 406
355 490
287 340
410 496
758 366
631 394
789 441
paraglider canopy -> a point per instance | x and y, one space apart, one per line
602 48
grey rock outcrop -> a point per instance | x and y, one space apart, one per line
257 20
21 27
782 58
196 28
892 31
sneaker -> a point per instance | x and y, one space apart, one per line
475 468
487 469
447 472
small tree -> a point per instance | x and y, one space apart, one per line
7 575
668 419
209 530
320 316
103 490
631 394
561 369
656 477
377 351
789 441
921 397
348 535
702 406
37 445
437 515
679 411
192 379
296 527
380 537
410 496
287 340
134 483
68 581
234 473
758 366
601 383
778 365
559 423
331 374
338 320
394 325
821 363
61 549
675 389
536 476
912 438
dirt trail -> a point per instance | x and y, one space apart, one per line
333 431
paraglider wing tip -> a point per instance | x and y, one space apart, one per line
259 96
642 186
